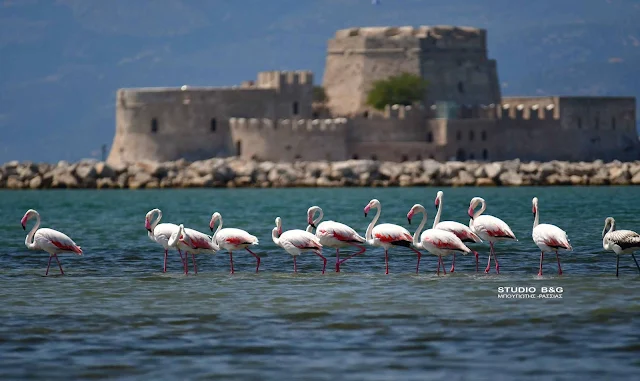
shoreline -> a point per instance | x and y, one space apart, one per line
239 173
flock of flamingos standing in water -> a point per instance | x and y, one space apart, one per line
444 238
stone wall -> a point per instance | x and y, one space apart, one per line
290 139
192 123
235 172
453 60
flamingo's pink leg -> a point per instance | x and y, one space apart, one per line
419 257
47 272
164 268
324 266
362 250
495 259
386 261
231 261
486 271
541 258
443 268
59 265
559 268
295 267
338 260
453 264
257 259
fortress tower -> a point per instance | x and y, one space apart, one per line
452 59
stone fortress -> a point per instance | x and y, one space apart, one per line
462 117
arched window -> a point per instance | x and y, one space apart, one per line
484 135
366 114
405 158
471 156
374 157
355 156
213 125
294 108
430 136
471 135
238 148
459 135
485 154
461 156
460 87
154 125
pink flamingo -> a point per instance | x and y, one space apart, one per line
387 235
620 241
489 228
160 233
232 239
297 241
334 234
436 241
548 237
461 231
49 240
193 242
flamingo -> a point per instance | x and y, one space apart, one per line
49 240
334 234
548 237
620 241
232 239
489 228
160 233
436 241
461 231
387 235
296 242
193 242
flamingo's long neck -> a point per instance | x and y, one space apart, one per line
28 241
416 235
537 216
275 233
214 241
156 221
316 222
437 220
369 234
175 237
482 209
605 239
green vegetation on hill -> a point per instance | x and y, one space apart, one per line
403 89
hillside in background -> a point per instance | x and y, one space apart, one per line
61 62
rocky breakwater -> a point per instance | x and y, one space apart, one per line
234 172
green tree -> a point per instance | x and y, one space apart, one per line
403 89
319 95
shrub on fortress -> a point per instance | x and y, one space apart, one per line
319 95
403 89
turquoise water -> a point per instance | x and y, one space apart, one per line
116 315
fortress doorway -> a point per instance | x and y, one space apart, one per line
461 155
238 148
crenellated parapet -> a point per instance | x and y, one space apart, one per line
281 79
528 112
287 126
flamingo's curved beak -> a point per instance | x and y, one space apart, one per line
470 212
437 204
23 227
409 220
312 225
366 210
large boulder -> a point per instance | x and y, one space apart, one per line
511 178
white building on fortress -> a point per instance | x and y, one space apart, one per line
463 115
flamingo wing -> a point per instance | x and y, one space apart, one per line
493 227
163 232
59 240
235 236
339 231
461 231
198 240
552 236
444 240
301 239
393 234
626 239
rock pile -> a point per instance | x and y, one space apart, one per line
234 172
